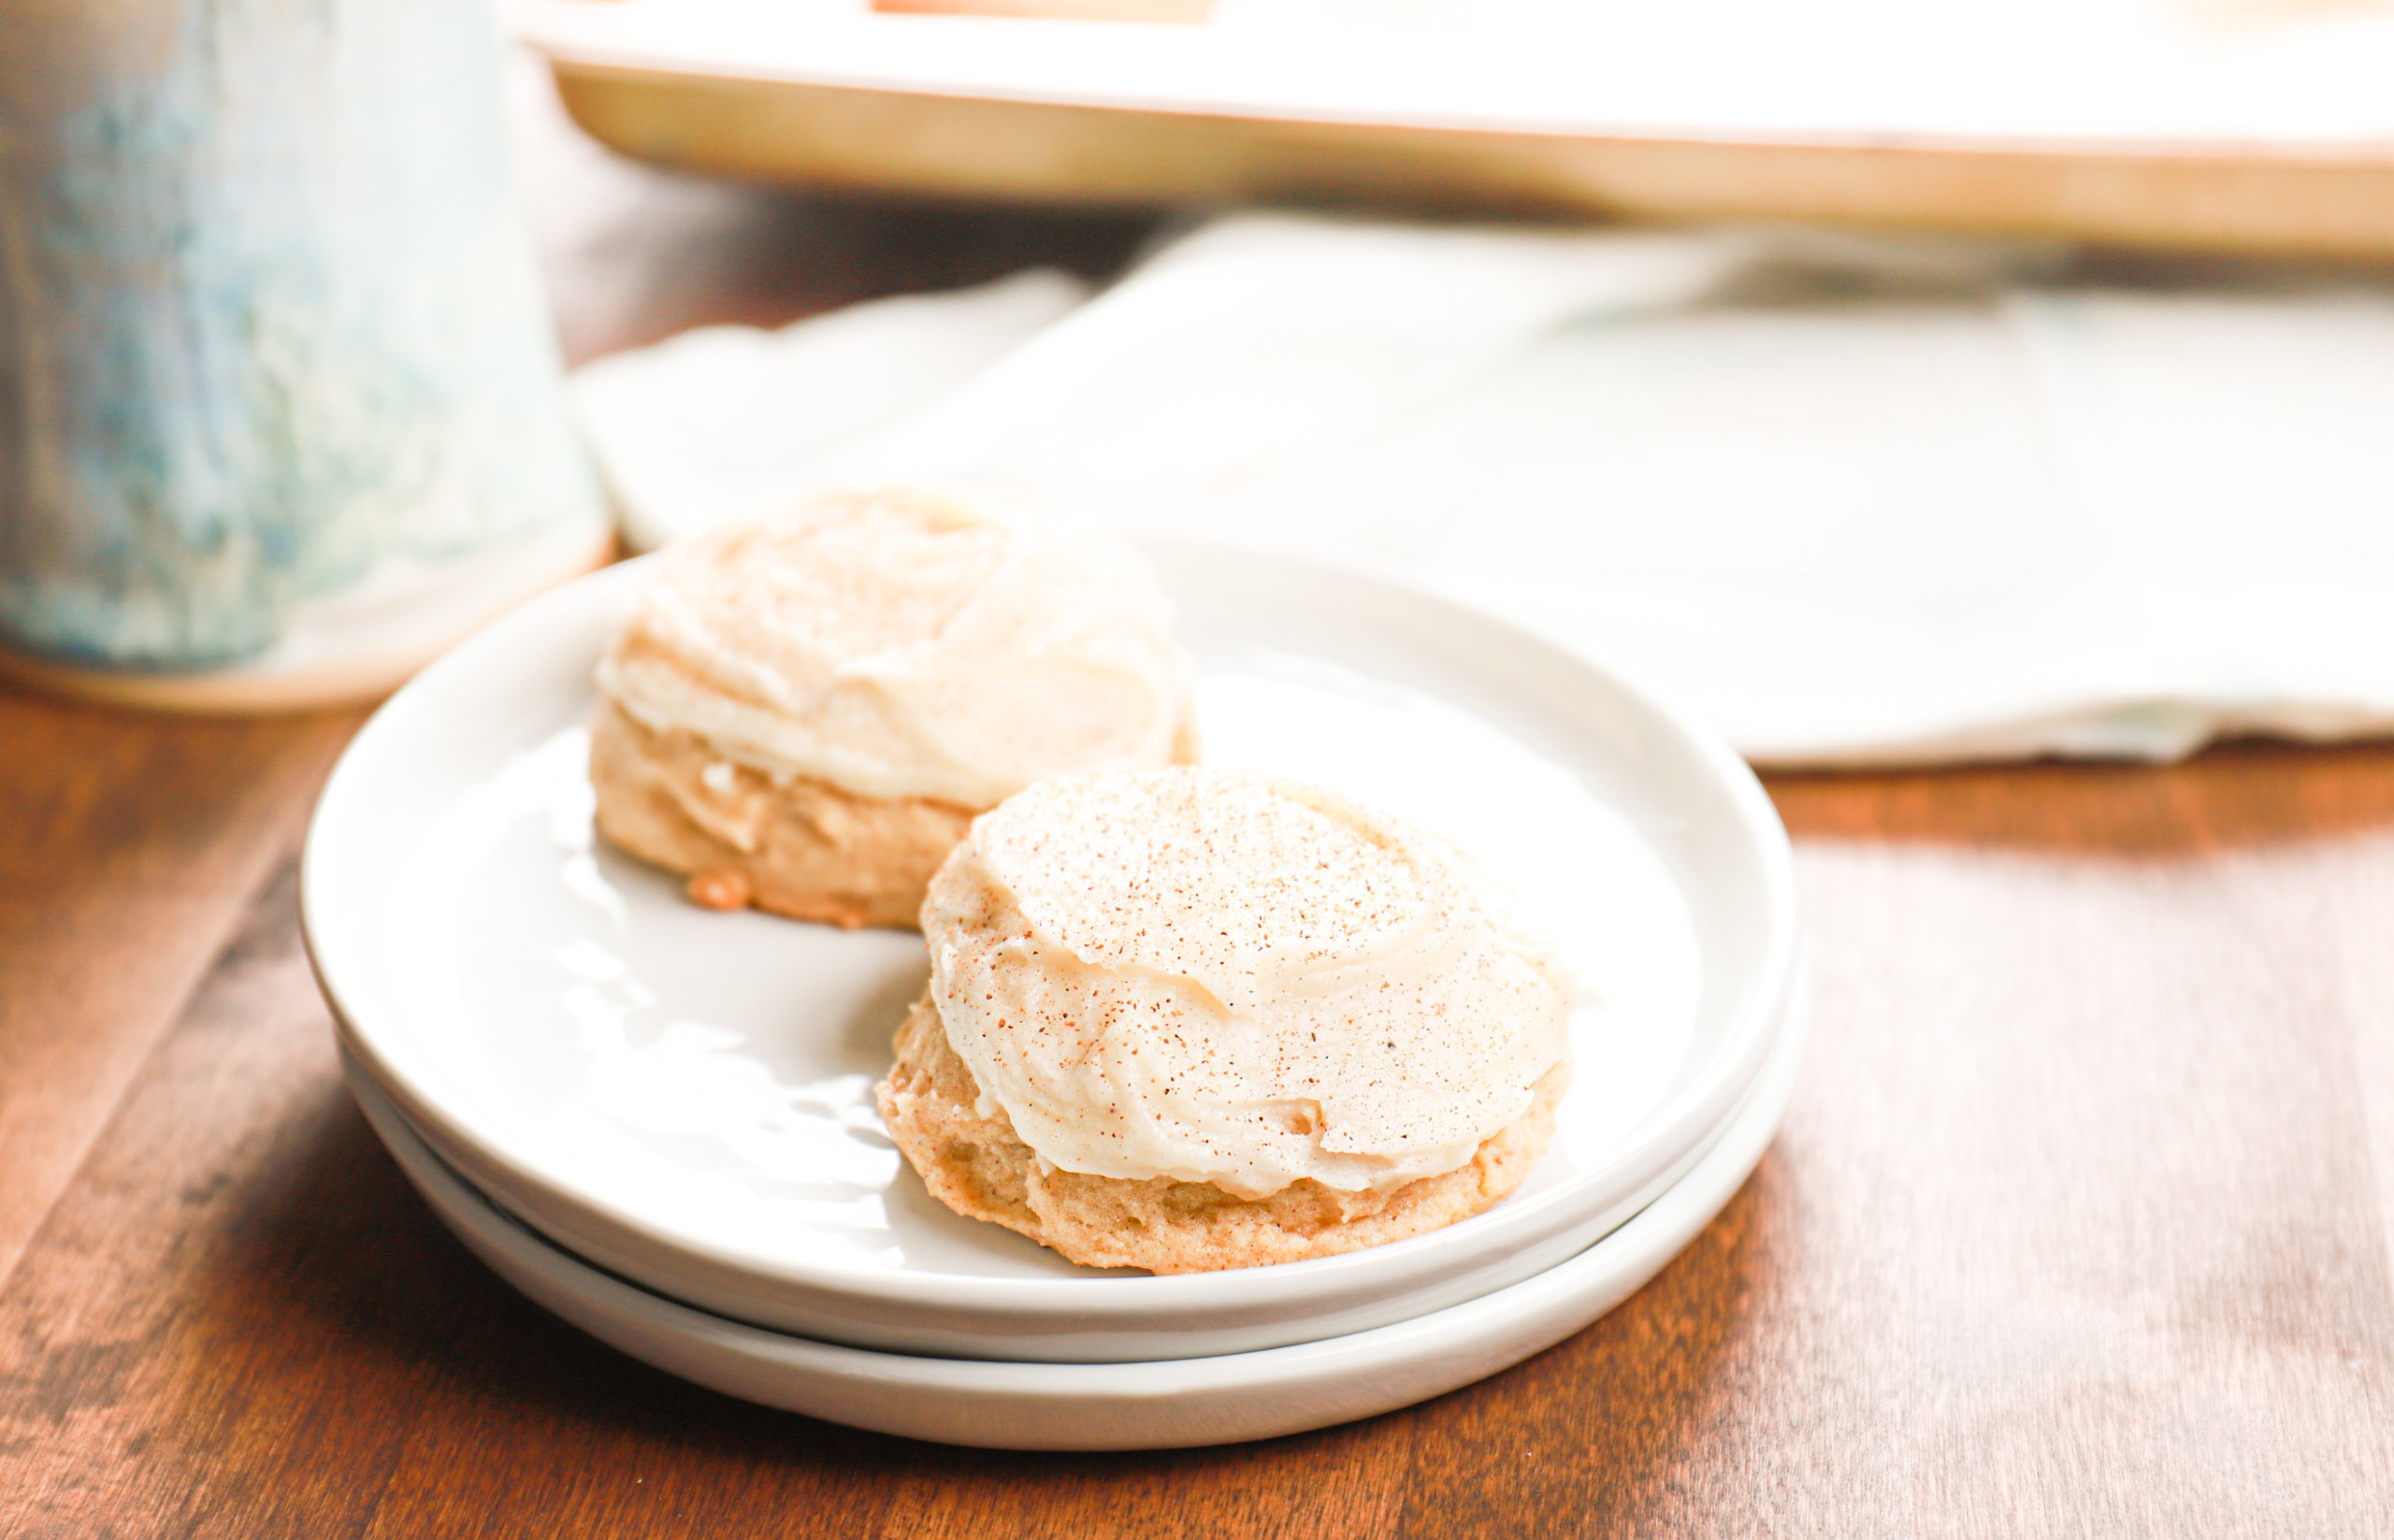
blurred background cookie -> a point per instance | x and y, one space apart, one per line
805 711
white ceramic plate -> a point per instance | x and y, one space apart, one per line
1108 1344
1113 1405
685 1097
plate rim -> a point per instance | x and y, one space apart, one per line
902 1392
1698 1110
1213 1339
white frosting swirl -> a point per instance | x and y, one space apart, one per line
1216 977
904 643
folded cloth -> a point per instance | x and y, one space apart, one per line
1856 500
727 418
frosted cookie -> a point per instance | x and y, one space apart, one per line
1188 1019
805 712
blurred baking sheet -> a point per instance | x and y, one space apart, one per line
2254 124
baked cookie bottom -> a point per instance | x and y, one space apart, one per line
978 1167
804 848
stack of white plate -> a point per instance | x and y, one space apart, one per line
657 1121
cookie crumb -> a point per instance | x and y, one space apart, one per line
724 890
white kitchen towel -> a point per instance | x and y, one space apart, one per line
730 417
1856 500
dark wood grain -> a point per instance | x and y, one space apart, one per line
2254 792
129 847
2077 1226
2102 1095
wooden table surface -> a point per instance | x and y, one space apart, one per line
2079 1223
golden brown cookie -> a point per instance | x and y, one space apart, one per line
977 1166
802 847
804 709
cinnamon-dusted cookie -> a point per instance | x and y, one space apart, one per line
804 711
1189 1019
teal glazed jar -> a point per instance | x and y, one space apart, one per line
280 407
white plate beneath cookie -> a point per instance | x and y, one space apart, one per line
685 1098
1169 1404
